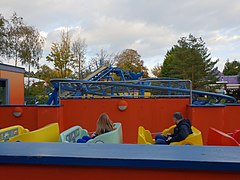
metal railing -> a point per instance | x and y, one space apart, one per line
126 89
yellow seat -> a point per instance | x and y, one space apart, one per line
193 139
48 133
9 132
144 136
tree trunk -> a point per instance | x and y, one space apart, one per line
79 68
28 79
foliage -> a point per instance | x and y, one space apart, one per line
79 48
3 23
20 42
29 74
231 68
105 58
37 93
45 73
129 59
31 47
61 56
14 32
189 59
157 70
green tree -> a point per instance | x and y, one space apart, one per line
20 42
3 23
79 48
61 56
15 38
231 68
39 91
129 59
189 59
45 73
31 48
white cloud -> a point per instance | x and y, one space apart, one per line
43 34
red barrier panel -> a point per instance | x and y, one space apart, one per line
31 117
154 114
236 135
219 138
38 172
231 118
224 118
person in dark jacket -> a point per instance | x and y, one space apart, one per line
181 131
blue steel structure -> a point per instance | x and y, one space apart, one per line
101 83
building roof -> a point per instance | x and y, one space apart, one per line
6 67
32 80
230 79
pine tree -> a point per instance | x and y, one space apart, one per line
190 60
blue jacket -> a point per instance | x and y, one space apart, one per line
181 131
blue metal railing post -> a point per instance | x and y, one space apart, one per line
101 62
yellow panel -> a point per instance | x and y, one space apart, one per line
49 133
9 132
144 136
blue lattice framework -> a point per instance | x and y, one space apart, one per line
101 84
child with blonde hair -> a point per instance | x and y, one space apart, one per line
104 125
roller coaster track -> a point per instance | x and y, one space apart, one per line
97 85
137 89
95 75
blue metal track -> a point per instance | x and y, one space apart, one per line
95 86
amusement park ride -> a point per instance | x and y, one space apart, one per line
36 135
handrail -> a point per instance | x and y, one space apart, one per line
124 88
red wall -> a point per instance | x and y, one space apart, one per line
224 118
16 81
38 172
33 117
232 118
153 114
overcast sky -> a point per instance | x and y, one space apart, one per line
149 26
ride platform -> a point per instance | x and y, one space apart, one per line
118 161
